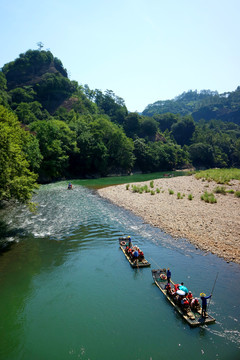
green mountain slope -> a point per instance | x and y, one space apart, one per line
67 130
205 105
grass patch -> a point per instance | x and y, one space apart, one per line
221 176
135 189
158 190
152 192
152 184
190 197
170 191
99 183
220 190
231 191
179 196
146 189
140 189
208 198
127 186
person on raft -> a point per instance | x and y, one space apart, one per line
140 255
168 288
129 242
195 305
189 296
135 255
69 186
204 303
168 275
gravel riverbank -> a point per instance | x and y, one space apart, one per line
210 227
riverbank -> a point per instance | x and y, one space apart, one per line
211 227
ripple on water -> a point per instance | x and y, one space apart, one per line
81 217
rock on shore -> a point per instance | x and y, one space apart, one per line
210 227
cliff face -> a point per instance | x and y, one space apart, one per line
29 67
29 75
44 73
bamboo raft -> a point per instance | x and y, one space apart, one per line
193 318
133 263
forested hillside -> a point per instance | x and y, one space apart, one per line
54 128
205 105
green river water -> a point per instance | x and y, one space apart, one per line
68 292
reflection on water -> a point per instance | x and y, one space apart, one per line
67 290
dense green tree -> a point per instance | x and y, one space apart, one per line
202 155
32 151
131 124
158 156
148 128
57 142
120 148
53 89
103 147
82 104
142 154
25 94
28 112
111 105
84 161
222 137
16 180
183 130
165 121
88 92
236 154
4 97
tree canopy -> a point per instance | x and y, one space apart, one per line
16 179
53 128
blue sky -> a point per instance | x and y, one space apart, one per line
143 50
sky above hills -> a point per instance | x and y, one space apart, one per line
142 50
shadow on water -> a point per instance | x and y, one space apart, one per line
8 236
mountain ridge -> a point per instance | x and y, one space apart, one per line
204 104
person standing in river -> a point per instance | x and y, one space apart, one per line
204 303
169 274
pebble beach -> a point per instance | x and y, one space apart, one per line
210 227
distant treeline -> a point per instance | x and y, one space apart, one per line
54 128
206 104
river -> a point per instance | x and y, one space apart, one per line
68 292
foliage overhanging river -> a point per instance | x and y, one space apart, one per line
67 291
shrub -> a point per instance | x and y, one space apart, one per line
127 186
220 190
152 184
179 196
152 192
231 191
208 197
190 197
158 190
145 188
237 194
135 188
171 192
